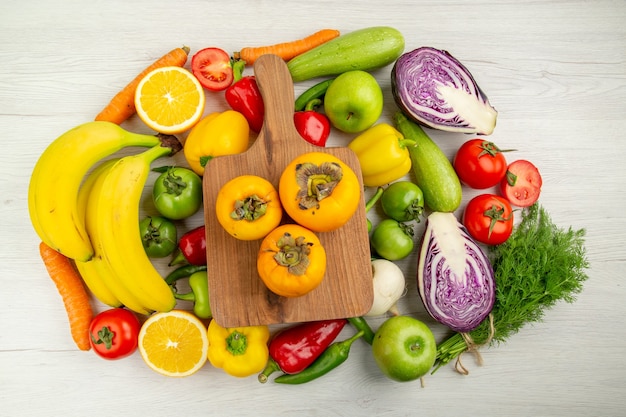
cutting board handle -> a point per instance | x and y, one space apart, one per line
276 87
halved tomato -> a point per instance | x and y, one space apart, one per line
212 68
521 184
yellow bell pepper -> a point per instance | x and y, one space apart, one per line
217 134
239 351
383 154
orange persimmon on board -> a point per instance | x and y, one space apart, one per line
291 261
72 290
248 207
287 50
319 191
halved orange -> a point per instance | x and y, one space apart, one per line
169 100
174 343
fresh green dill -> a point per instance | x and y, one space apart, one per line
539 265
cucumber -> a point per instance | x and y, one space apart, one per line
365 49
434 172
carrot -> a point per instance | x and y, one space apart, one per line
287 50
75 297
122 105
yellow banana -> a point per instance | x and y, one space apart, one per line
56 179
117 227
91 277
88 270
99 263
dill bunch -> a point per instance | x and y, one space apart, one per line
539 265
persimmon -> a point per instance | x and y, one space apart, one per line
291 260
319 191
248 207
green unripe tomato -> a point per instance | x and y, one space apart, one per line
177 193
403 201
392 240
158 236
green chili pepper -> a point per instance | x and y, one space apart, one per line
199 284
359 323
336 354
316 91
162 169
371 203
183 272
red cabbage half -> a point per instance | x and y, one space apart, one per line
454 276
434 89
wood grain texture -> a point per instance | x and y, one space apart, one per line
238 296
554 69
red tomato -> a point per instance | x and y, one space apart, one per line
521 184
114 333
489 219
479 163
212 68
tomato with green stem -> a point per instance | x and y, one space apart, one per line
177 193
392 240
114 333
212 67
158 236
479 163
403 201
489 219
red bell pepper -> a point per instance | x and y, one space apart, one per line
293 349
314 127
191 248
244 96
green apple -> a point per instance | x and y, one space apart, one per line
354 101
404 348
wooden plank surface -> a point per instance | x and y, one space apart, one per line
556 72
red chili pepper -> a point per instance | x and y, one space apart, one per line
244 96
293 349
191 248
314 127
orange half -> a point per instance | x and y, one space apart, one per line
170 100
174 343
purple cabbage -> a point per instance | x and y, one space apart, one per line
454 276
434 89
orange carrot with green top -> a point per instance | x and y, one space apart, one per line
75 296
287 50
122 105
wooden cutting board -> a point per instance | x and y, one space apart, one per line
238 296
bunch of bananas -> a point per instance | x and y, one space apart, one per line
87 208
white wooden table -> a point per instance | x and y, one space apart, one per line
556 72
